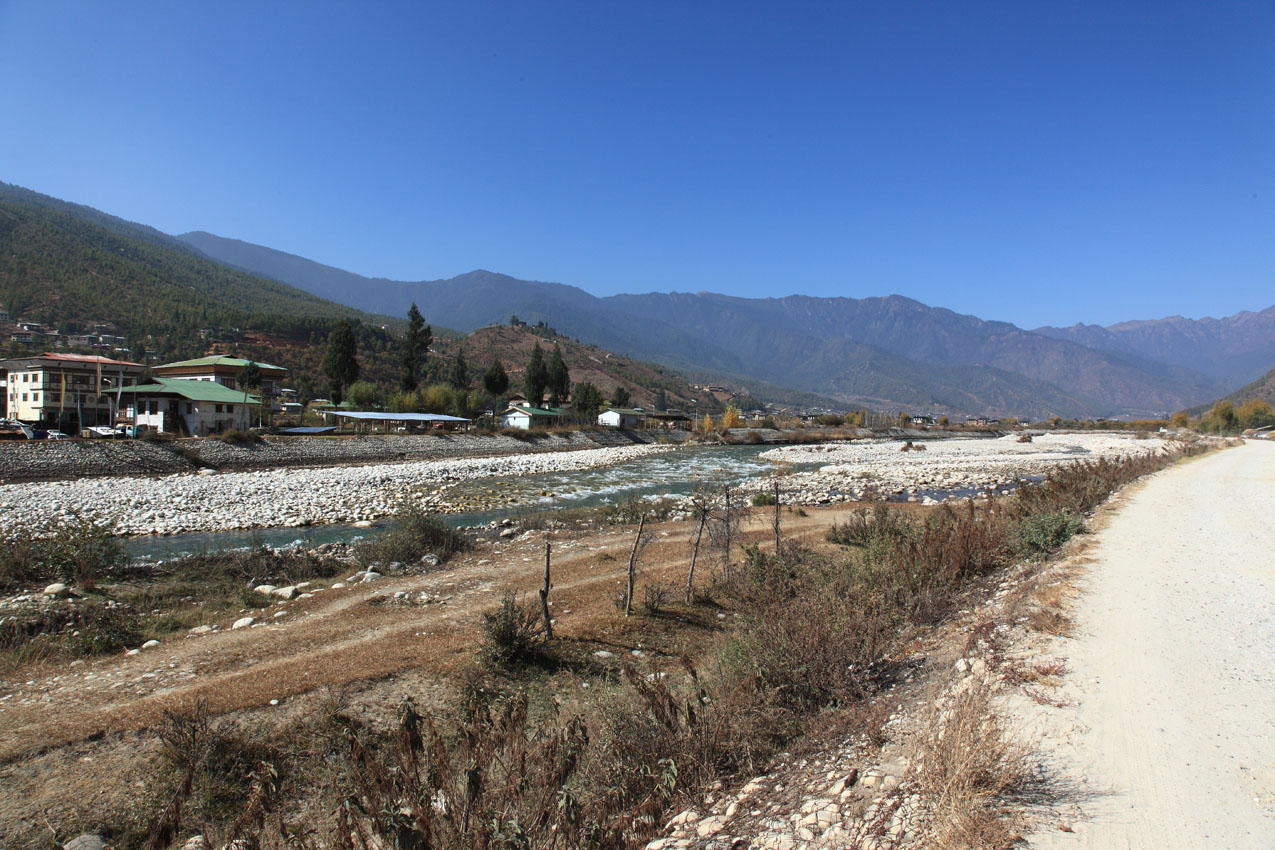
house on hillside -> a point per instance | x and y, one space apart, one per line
526 417
224 370
622 417
187 407
922 420
67 391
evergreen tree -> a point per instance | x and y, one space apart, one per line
559 378
620 398
458 377
661 400
587 400
537 377
340 363
495 380
415 349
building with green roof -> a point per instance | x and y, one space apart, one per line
192 408
223 369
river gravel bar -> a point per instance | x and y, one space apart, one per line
174 504
859 470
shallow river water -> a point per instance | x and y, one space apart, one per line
673 473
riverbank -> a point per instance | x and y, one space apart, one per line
855 471
292 498
39 460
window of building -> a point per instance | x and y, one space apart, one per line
35 397
218 408
154 406
24 396
190 408
25 377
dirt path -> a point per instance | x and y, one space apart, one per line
1167 735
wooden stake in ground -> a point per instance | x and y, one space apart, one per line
775 493
544 597
633 553
702 510
729 523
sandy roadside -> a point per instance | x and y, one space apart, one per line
1166 735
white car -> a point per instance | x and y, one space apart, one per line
58 435
103 431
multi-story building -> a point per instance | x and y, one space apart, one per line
225 370
67 391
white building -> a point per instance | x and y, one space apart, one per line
67 391
189 408
622 417
526 417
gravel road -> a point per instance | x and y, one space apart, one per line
1168 740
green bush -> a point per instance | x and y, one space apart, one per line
412 534
510 633
762 500
1041 534
78 551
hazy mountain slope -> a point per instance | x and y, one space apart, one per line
1235 348
891 350
935 336
1263 389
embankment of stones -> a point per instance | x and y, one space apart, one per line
32 460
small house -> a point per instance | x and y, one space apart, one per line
622 417
526 417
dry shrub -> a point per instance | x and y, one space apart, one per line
968 768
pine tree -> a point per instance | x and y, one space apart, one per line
495 379
620 398
559 378
415 349
340 363
587 400
458 377
537 377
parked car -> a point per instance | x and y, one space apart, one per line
57 435
103 431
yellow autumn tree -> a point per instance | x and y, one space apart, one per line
731 418
708 422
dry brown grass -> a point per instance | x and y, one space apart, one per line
968 770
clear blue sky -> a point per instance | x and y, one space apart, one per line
1037 162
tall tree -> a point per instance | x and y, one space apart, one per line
415 349
559 378
537 377
587 400
495 379
661 400
458 375
620 398
340 363
250 379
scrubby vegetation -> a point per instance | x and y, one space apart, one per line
413 533
521 756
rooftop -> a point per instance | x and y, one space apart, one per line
193 391
218 360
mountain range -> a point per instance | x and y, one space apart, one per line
884 352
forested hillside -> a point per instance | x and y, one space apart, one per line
70 268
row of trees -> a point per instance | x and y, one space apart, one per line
1225 417
546 379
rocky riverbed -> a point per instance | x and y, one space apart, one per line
212 501
872 469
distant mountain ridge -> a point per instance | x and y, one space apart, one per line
1235 348
886 351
